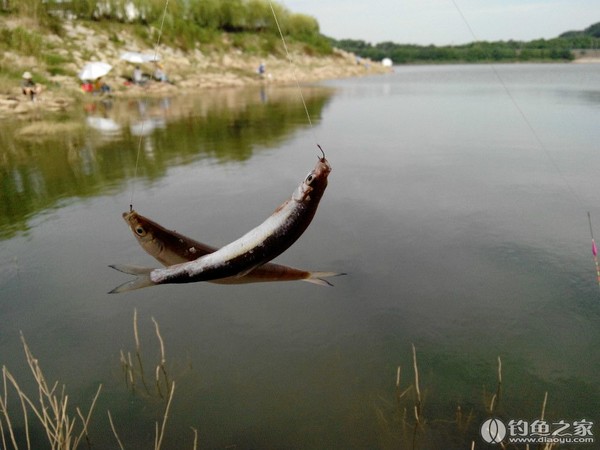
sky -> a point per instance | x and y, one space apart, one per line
440 22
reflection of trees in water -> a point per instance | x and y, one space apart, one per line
228 125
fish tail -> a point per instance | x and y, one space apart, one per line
143 278
319 278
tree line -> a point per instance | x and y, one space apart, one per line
557 49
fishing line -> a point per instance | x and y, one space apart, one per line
139 147
508 92
292 65
538 140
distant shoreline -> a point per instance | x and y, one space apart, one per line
190 72
587 61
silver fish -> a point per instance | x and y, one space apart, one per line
169 248
260 245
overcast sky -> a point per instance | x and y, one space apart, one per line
439 22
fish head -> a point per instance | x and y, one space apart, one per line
314 183
168 247
142 230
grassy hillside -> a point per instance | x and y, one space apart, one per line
186 24
36 33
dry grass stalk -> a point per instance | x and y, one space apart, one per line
418 399
417 388
2 435
463 424
4 408
157 378
400 393
544 405
131 371
138 350
50 408
160 340
135 331
51 405
86 421
134 372
128 370
161 366
195 447
495 400
492 404
114 430
499 388
160 436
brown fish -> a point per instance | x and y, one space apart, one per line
170 247
258 246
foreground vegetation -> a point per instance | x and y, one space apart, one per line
557 49
54 419
28 419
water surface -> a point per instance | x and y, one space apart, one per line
456 205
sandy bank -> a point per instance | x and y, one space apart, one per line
189 72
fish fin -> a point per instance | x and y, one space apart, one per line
131 269
143 278
319 278
247 271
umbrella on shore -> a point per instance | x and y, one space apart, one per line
94 70
139 58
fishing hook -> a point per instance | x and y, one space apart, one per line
321 159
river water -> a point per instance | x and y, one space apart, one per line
456 206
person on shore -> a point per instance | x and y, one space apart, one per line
100 87
138 77
87 86
261 69
28 86
159 74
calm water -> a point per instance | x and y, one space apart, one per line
459 232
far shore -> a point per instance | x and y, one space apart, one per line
192 72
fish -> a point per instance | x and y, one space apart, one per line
258 246
170 248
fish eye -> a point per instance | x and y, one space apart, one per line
140 231
309 179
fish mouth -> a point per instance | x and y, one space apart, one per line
133 222
128 214
322 169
